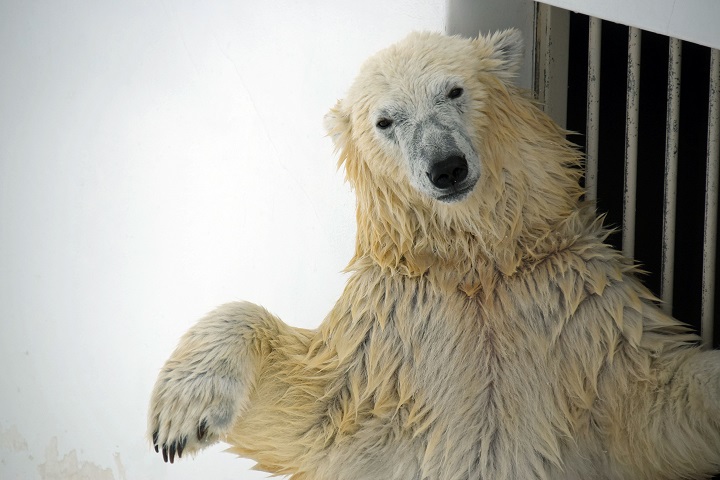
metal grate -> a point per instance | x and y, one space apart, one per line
711 202
671 171
632 119
627 121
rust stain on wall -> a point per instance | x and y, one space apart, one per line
69 467
11 439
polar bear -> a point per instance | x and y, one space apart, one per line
487 331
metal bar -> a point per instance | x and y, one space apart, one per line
711 203
551 61
593 108
671 149
631 141
541 51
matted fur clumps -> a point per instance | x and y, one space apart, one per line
487 331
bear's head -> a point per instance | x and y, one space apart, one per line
449 160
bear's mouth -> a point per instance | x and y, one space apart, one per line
456 194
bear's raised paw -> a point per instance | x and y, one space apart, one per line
190 411
206 382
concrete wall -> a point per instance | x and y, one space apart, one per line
158 159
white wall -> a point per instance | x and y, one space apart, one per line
158 159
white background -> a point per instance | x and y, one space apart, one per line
158 159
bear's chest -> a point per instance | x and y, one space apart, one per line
465 389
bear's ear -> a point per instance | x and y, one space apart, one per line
506 51
337 125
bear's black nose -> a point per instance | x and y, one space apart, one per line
448 172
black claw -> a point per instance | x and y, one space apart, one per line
181 446
165 452
155 439
172 453
202 429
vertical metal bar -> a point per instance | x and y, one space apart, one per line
671 149
593 108
711 202
541 51
631 141
552 26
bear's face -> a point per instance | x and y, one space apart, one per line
428 131
414 114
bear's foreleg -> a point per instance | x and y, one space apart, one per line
687 424
207 381
703 374
672 430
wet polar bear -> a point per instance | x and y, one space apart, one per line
486 330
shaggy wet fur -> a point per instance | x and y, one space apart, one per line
497 337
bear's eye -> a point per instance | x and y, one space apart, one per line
384 123
455 92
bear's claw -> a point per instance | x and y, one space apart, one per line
177 447
168 452
202 429
176 444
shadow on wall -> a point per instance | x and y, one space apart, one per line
470 17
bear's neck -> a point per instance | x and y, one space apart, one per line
515 218
460 251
